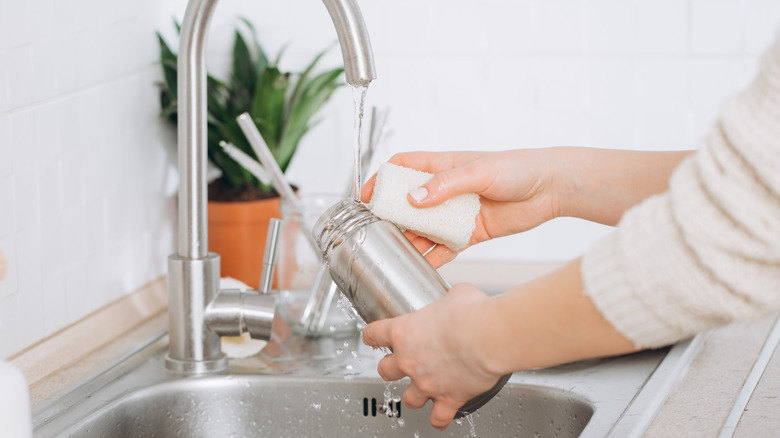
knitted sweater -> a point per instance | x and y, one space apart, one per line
707 251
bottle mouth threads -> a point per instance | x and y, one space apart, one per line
338 222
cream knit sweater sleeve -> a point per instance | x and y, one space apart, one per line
707 251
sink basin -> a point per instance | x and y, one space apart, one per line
329 387
335 392
258 406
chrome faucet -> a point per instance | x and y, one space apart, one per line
198 312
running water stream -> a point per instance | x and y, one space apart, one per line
359 98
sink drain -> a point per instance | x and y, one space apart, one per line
371 407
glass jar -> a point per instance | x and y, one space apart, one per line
299 265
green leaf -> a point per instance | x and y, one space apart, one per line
262 59
169 109
243 76
168 61
295 97
314 95
279 56
268 105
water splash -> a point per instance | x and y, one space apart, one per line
349 373
472 428
346 307
389 401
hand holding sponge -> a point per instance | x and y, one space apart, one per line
450 223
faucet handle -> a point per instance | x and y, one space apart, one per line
270 255
233 312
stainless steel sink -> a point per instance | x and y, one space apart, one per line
254 406
329 387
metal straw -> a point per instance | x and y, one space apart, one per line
269 258
278 180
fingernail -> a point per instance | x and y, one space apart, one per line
418 194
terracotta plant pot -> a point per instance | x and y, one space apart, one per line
237 232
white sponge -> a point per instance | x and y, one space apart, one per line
450 223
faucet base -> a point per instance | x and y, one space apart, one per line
188 367
192 285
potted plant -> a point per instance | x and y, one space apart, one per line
282 105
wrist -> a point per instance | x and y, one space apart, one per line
563 182
490 344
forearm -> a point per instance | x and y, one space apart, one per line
599 185
546 322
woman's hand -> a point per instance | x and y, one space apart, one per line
458 347
441 358
516 189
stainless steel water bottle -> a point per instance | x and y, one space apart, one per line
380 271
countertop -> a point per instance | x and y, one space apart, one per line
731 387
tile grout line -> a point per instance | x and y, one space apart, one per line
730 425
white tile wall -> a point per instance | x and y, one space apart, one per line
662 27
87 170
79 135
717 27
561 26
611 26
760 24
5 148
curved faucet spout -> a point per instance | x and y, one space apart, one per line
354 41
193 272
